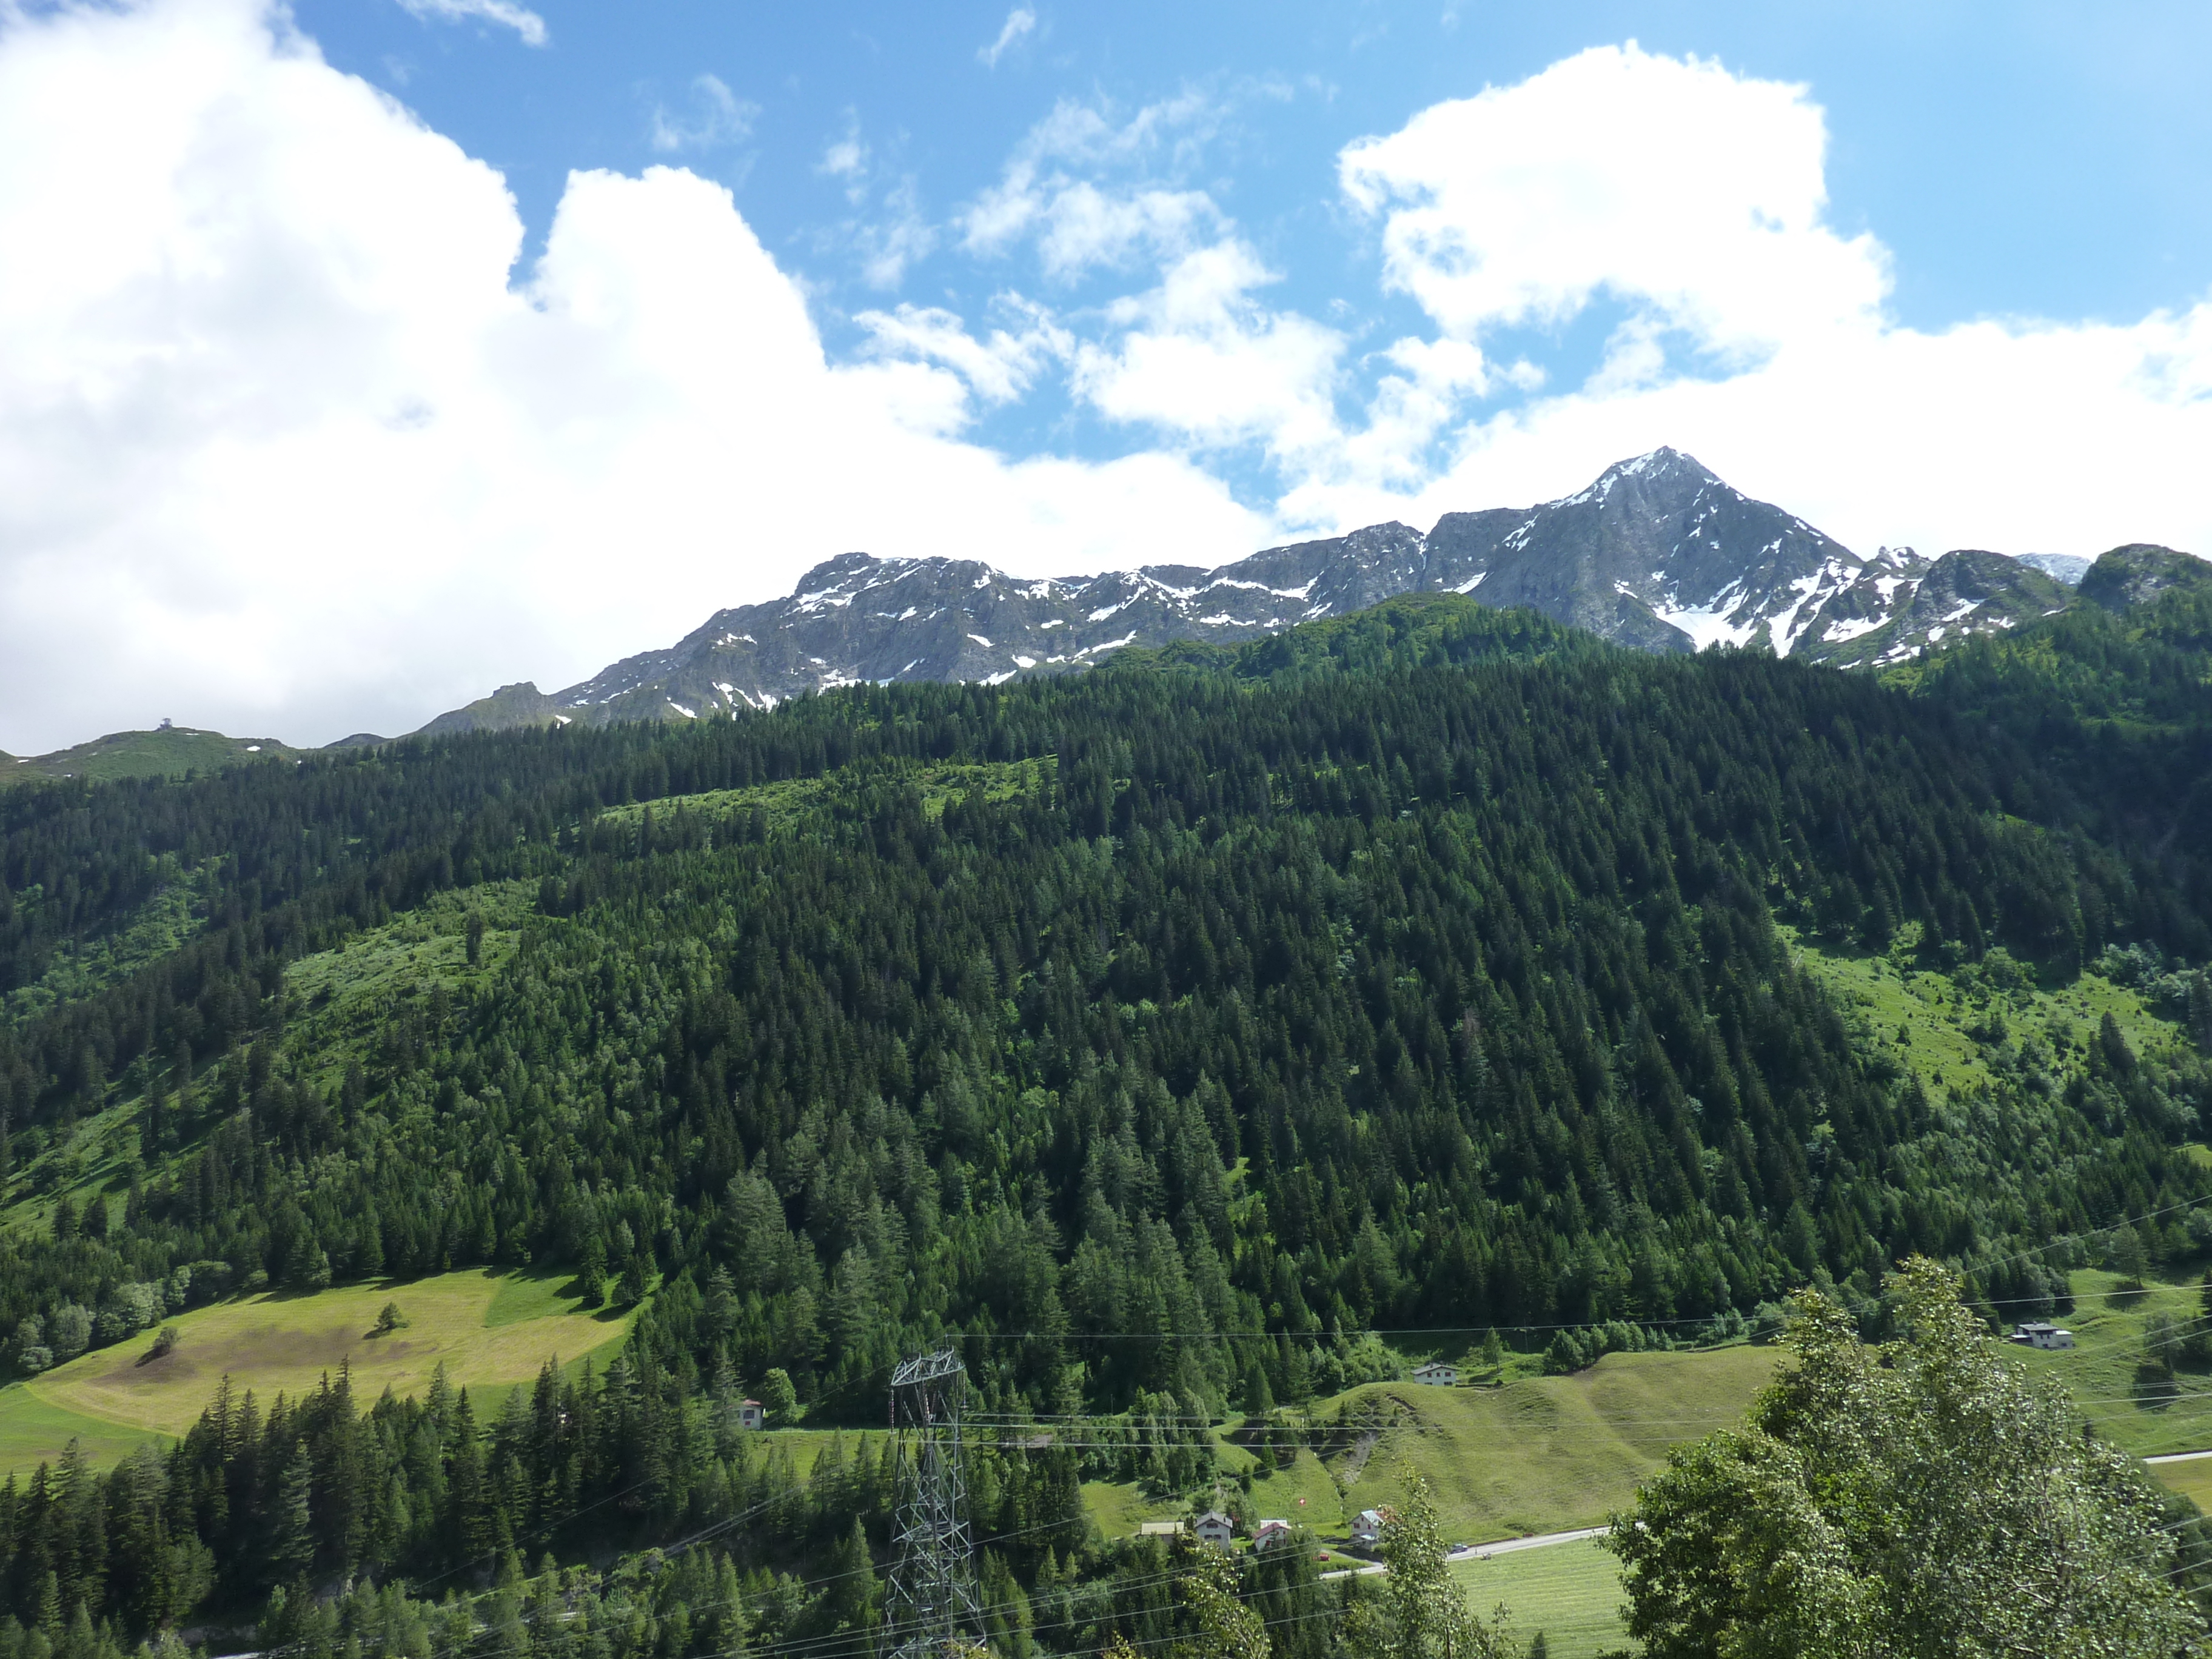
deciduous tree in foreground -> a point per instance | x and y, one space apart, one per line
1421 1611
1926 1497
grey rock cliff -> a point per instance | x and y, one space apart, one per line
1658 554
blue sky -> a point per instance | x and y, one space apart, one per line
2030 158
2018 159
370 353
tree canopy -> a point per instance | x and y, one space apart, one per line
1925 1497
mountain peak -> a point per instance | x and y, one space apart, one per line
1663 465
1657 553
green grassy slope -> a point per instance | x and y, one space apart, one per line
336 1000
1569 1592
1923 1021
996 780
492 1331
168 753
151 930
1541 1454
340 996
2136 1407
1544 1454
35 1431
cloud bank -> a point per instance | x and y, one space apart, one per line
293 440
1754 334
289 439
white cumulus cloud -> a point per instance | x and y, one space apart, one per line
1201 358
1755 335
998 367
1095 188
291 440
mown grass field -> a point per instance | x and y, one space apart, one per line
1119 1509
1539 1454
491 1330
1569 1592
1548 1454
33 1431
2193 1480
2136 1410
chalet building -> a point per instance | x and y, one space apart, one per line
752 1414
2036 1335
1367 1528
1215 1529
1436 1374
1270 1532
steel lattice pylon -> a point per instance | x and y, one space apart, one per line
933 1611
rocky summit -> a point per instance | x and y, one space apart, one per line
1658 554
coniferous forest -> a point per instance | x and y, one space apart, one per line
1169 1039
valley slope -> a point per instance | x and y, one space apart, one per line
1203 1037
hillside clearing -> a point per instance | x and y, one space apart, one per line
1544 1454
996 780
490 1329
1551 1452
1920 1020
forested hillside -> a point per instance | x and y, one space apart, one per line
1157 1035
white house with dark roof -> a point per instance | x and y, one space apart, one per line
1436 1374
1215 1529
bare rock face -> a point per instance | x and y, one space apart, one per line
1658 554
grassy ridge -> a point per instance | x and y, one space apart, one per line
168 753
995 780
